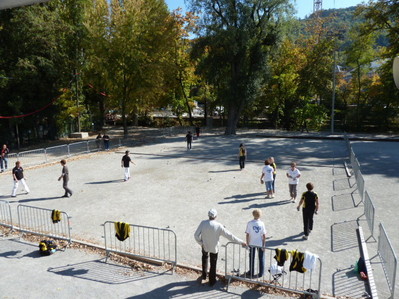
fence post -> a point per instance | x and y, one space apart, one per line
69 153
87 146
45 155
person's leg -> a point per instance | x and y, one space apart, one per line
261 255
311 213
25 185
290 190
68 191
274 183
126 174
204 264
243 162
1 164
6 163
212 270
294 190
14 189
251 262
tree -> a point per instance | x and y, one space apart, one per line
235 39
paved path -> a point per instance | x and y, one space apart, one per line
172 187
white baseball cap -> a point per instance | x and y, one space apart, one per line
212 213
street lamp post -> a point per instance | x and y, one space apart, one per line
333 93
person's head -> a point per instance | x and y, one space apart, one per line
271 160
127 152
241 144
293 165
309 186
257 213
212 214
63 162
18 163
4 146
267 162
189 132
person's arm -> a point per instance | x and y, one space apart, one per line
62 174
14 177
264 240
261 177
131 161
288 175
247 238
299 175
228 235
317 205
300 202
197 235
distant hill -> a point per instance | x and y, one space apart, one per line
342 20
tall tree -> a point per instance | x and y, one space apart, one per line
235 39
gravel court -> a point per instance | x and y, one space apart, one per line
172 187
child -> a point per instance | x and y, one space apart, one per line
293 174
267 177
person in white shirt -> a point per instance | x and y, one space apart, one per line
267 177
256 240
207 235
293 175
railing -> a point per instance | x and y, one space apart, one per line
388 259
44 155
5 214
369 212
144 242
38 221
237 267
360 185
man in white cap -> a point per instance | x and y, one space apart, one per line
207 235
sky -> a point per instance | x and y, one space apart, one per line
303 7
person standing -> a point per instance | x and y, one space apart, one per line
65 177
274 166
293 175
126 160
197 130
18 176
207 236
267 178
242 154
310 202
256 240
106 141
4 157
189 139
98 141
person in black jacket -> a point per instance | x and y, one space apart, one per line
310 202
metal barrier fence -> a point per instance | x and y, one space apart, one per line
388 259
5 214
153 243
38 221
237 267
369 212
360 185
44 155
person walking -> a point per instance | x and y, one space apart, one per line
267 178
189 139
197 130
106 142
293 175
274 166
310 202
18 176
207 236
256 240
65 177
125 163
4 157
242 155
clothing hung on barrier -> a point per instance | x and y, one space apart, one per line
56 216
122 231
281 256
297 261
310 260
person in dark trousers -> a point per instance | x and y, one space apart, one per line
18 176
310 202
125 163
98 141
65 177
189 139
242 154
4 157
106 142
207 236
